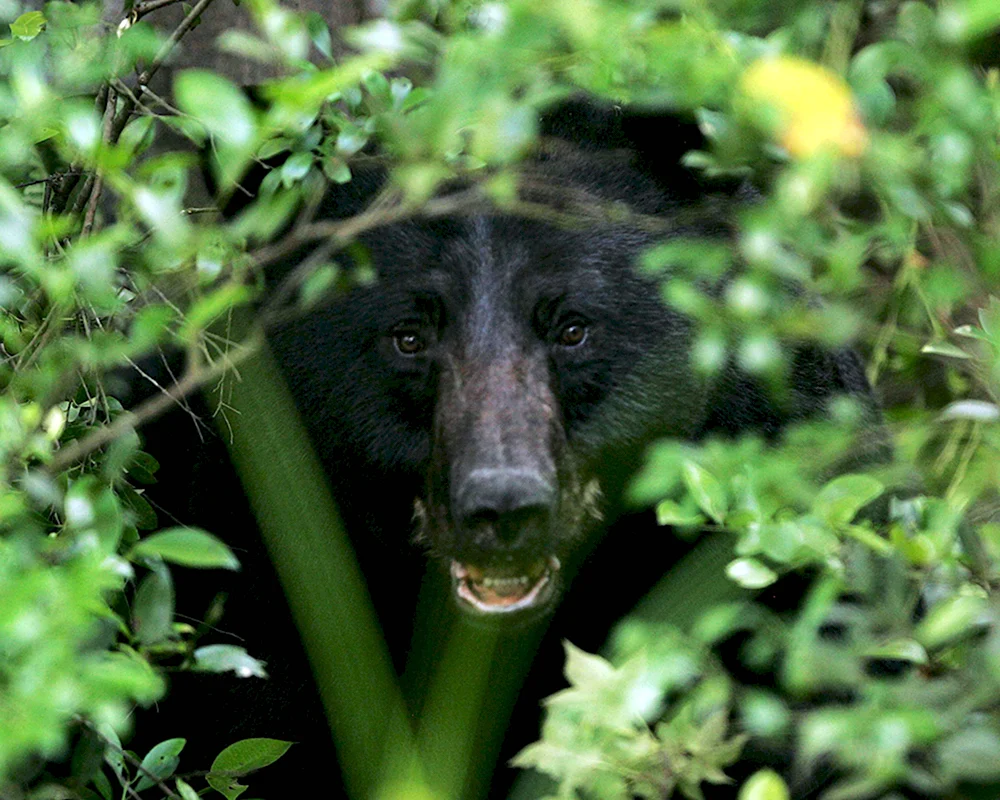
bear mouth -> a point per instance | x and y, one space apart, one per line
490 590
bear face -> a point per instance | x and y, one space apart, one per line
485 401
499 371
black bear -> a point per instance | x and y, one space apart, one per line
484 403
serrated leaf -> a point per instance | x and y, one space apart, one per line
160 762
706 490
189 547
842 498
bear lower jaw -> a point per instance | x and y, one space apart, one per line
491 592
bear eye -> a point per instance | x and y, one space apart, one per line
572 334
409 341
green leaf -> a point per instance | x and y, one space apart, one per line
949 620
946 349
900 650
765 784
318 284
240 758
279 144
27 26
965 20
160 763
113 752
145 518
706 490
226 113
585 669
185 791
336 169
212 305
670 513
989 318
842 498
153 607
217 104
319 33
750 573
189 547
228 658
138 135
296 168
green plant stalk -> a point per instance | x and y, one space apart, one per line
696 582
322 581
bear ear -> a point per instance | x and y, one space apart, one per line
657 140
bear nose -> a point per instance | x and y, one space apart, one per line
509 501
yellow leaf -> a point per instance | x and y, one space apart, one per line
815 109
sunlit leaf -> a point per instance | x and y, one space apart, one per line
189 547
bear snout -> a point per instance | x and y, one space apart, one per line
505 506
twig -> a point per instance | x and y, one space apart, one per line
95 192
50 179
139 10
147 75
343 231
147 92
135 763
153 407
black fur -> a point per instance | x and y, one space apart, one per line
493 389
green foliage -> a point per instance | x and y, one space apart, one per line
597 736
240 759
870 132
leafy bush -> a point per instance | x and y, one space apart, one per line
869 129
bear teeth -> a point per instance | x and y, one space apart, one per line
523 580
492 593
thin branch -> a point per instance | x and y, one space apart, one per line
50 179
139 10
147 75
153 407
83 196
135 762
343 231
95 192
